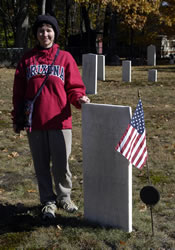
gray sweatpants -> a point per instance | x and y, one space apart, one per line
52 146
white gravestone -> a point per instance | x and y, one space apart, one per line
151 55
126 71
101 68
152 75
107 174
89 72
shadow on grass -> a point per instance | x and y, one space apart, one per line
19 218
158 67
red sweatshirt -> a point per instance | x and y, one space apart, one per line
64 86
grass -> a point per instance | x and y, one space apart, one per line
21 226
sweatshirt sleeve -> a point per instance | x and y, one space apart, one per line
74 85
19 88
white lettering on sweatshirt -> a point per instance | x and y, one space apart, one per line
42 69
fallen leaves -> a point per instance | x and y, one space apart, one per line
59 228
5 150
13 155
122 242
1 190
31 191
2 101
142 208
171 195
18 136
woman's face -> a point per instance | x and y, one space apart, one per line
45 35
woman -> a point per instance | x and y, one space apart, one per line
51 135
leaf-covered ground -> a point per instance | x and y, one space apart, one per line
21 226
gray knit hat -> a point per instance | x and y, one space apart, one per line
46 19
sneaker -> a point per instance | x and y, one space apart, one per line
67 205
49 210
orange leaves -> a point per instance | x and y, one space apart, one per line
135 21
134 13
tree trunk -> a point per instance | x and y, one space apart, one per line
43 12
50 7
113 33
131 42
5 32
46 7
90 34
39 5
68 5
110 36
22 25
106 30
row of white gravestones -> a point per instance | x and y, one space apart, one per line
93 69
126 73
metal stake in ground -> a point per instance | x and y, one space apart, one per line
149 194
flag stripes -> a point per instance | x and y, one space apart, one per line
132 145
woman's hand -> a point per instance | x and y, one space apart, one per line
84 99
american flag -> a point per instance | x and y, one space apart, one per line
132 145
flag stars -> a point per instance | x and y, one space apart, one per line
138 119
